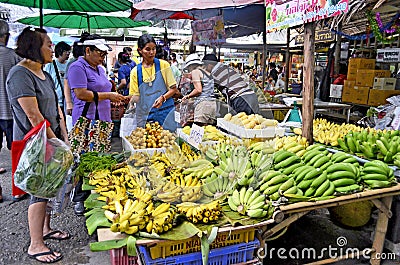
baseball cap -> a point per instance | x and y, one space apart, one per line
98 43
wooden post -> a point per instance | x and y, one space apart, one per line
308 81
338 50
380 232
288 60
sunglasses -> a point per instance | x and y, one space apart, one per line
101 53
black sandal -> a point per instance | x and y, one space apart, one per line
52 233
50 252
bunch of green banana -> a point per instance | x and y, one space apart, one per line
129 217
161 219
345 177
295 147
200 213
263 147
217 186
377 174
250 202
260 161
200 168
317 156
283 159
274 183
236 167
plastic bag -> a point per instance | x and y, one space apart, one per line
43 165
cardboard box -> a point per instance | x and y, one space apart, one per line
349 83
336 91
384 83
365 77
352 74
357 94
378 97
362 63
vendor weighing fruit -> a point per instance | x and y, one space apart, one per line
152 87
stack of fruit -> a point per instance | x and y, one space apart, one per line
152 136
377 174
250 202
328 133
252 121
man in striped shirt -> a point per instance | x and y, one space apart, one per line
8 58
238 92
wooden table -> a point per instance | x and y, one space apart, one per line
381 198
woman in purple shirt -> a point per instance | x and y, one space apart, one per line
84 77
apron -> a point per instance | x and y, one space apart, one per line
165 115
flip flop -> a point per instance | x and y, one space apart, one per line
52 233
2 170
35 257
20 197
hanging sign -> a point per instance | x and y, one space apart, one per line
320 36
294 13
388 55
209 31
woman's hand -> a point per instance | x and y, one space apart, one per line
185 98
159 101
115 97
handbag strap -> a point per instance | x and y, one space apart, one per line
59 79
87 104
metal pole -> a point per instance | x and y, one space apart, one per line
88 22
41 13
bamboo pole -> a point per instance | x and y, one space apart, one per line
288 60
338 50
308 81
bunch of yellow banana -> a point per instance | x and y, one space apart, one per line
176 157
211 133
295 144
141 194
161 219
169 192
160 162
110 197
200 168
139 159
252 121
200 213
189 153
326 132
264 147
129 217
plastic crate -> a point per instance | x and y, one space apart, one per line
234 254
169 248
120 256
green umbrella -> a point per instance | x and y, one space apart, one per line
73 5
76 20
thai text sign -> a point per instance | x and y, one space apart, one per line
209 31
388 55
297 12
320 36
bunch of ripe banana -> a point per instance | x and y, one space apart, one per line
381 145
328 133
176 157
211 133
160 219
200 213
129 217
236 166
250 202
189 153
377 174
264 147
275 184
200 168
139 159
252 121
295 144
217 186
160 162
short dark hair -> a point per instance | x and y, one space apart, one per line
60 48
127 49
125 58
29 43
77 49
210 58
144 39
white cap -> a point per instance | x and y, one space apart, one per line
192 59
98 43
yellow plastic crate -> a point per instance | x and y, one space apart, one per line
172 248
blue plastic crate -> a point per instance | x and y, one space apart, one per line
219 256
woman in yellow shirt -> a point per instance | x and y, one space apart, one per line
152 86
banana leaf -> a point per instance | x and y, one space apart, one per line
92 202
180 232
108 245
235 219
86 185
96 220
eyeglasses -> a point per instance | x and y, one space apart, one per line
101 53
